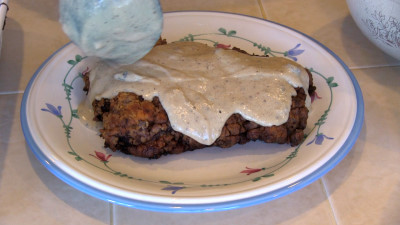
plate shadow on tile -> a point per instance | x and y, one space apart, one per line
76 199
9 105
309 203
9 81
41 7
12 57
348 164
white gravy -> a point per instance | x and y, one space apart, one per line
200 87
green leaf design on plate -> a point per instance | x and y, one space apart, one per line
102 163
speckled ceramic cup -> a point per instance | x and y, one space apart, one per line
380 22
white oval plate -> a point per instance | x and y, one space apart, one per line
203 180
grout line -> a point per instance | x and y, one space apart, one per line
325 189
373 67
264 15
11 92
111 206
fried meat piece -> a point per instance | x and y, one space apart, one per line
139 127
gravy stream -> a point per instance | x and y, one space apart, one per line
200 87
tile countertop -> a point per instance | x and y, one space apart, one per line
364 188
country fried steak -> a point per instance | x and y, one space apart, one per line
141 128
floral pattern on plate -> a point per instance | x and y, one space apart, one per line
255 174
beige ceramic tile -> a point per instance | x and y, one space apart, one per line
29 193
32 34
330 23
248 7
365 186
306 206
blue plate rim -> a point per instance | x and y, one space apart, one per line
191 208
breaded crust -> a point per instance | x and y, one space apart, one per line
139 127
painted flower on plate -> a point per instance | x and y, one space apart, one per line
223 46
86 71
53 110
292 53
319 138
101 156
249 171
174 189
315 96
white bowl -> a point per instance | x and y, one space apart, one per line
380 22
